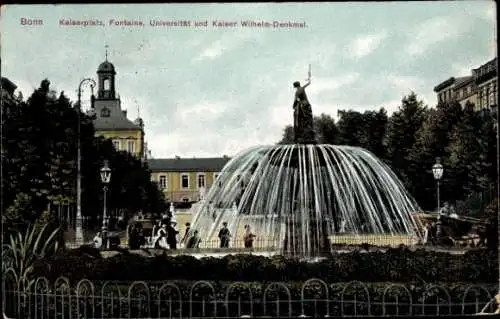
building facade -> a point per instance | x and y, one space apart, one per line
182 179
111 120
486 82
479 88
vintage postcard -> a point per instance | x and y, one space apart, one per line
250 160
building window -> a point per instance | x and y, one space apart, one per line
105 112
131 146
116 144
106 84
487 96
184 181
163 182
201 180
494 95
483 98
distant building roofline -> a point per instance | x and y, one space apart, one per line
8 85
179 164
444 84
463 81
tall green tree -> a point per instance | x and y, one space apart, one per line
39 161
351 126
326 129
420 160
375 126
401 134
469 154
430 143
288 137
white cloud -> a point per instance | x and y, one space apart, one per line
461 70
245 98
434 31
319 85
213 51
404 82
366 44
226 43
202 110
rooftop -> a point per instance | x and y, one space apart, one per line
8 86
461 81
178 164
106 66
444 84
114 123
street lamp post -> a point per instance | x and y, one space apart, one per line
437 171
105 178
78 227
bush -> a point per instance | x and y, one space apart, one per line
394 265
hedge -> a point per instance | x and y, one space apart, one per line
394 265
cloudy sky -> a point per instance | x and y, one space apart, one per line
207 91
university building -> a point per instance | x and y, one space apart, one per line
111 120
479 88
182 179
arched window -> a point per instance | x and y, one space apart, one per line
106 84
105 112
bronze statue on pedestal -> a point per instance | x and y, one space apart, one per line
303 127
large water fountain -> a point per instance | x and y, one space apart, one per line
295 197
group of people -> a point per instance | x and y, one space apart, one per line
164 234
225 236
135 235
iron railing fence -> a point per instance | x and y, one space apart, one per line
274 244
205 299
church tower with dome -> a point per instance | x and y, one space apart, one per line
110 119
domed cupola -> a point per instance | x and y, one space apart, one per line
106 67
106 77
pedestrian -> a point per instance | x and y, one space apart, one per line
426 234
161 238
186 233
445 210
193 241
172 236
156 228
141 240
98 240
132 237
248 237
224 236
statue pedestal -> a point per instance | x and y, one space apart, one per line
303 241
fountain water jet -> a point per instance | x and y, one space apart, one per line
296 196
